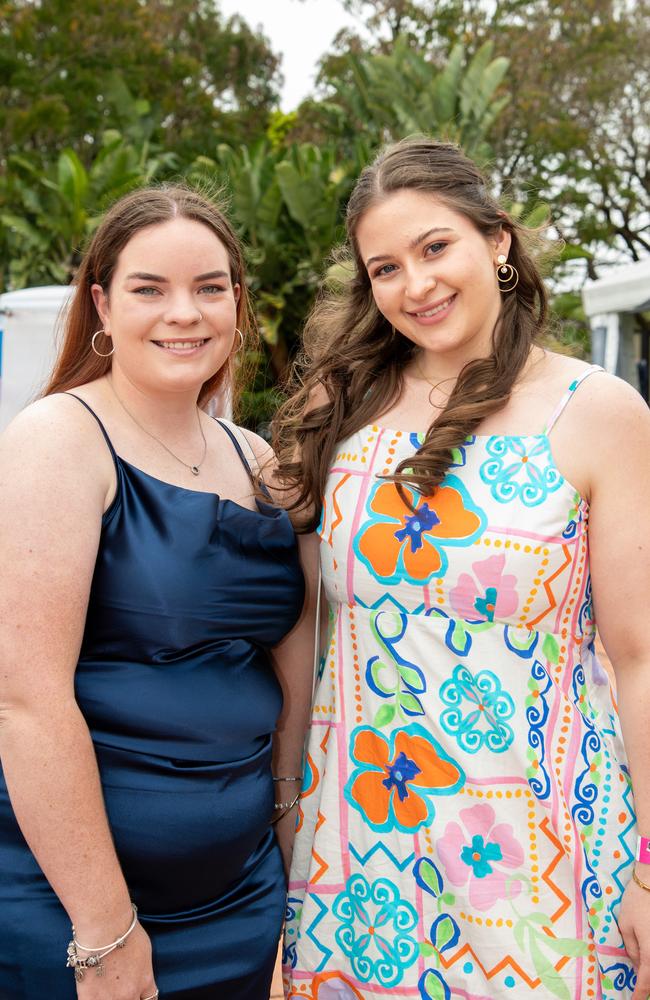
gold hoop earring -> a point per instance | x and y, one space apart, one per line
241 340
92 344
507 274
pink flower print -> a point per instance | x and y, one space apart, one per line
480 854
493 596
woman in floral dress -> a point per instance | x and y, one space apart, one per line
467 826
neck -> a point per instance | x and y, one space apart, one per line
174 410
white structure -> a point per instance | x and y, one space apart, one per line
609 304
27 345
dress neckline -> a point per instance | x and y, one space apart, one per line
265 510
542 436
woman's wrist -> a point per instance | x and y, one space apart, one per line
82 957
282 808
96 925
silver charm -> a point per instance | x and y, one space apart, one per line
194 470
81 964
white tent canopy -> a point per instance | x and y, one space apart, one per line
623 289
27 321
610 303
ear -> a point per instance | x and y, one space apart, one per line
236 291
100 298
502 243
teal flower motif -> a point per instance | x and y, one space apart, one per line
375 931
479 855
478 708
520 468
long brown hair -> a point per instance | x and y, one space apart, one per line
353 356
77 363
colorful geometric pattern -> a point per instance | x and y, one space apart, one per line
467 824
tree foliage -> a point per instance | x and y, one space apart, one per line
197 72
575 131
552 96
47 214
385 96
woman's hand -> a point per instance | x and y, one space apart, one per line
634 924
128 972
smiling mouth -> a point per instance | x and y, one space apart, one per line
434 310
180 345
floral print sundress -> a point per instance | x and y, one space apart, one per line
466 825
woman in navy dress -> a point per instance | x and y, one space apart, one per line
153 616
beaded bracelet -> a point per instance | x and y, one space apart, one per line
94 960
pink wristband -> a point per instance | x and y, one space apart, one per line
643 850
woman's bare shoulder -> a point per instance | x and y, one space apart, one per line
54 434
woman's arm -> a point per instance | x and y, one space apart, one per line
619 538
55 474
293 660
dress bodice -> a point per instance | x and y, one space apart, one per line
504 539
189 594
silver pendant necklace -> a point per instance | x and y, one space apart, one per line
194 469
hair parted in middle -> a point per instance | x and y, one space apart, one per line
143 208
351 367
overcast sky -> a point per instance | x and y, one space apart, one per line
299 31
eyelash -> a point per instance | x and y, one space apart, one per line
382 272
145 290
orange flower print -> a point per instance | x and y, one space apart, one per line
394 781
328 986
398 543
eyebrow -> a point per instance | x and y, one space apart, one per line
143 276
413 244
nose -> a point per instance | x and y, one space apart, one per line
420 282
183 311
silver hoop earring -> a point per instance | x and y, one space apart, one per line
241 340
507 274
92 344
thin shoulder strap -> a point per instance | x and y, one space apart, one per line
561 406
241 444
101 426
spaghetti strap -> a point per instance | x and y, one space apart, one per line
561 406
101 427
241 444
244 450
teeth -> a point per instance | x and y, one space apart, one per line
179 345
433 312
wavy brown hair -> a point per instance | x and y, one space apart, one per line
76 362
352 356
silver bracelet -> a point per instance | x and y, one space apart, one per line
94 959
297 777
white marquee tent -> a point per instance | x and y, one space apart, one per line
610 303
27 344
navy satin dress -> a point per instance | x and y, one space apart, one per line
174 679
